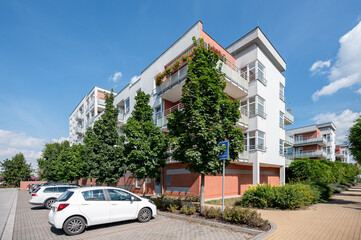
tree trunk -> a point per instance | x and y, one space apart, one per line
143 186
202 192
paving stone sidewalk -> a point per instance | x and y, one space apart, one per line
338 219
31 223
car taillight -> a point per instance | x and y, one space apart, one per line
34 195
62 206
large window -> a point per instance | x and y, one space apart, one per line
281 147
256 140
282 92
255 71
257 107
281 120
127 105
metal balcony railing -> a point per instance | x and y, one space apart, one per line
178 107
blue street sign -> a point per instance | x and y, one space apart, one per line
225 154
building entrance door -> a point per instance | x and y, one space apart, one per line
157 187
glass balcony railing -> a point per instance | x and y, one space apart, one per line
308 141
243 121
288 117
257 112
260 147
309 154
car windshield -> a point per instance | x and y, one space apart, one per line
65 196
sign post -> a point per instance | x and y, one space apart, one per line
223 156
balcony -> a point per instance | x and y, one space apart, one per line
258 77
101 102
178 107
259 147
310 141
236 84
243 121
79 130
340 155
310 154
289 141
288 161
243 156
257 112
161 121
120 120
289 118
78 116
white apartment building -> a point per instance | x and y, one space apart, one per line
253 69
84 115
343 153
315 142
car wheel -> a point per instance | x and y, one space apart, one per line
74 226
49 202
144 215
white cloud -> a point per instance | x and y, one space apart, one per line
60 140
116 77
359 91
13 139
343 121
346 71
319 65
134 79
12 143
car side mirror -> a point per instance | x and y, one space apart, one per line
132 198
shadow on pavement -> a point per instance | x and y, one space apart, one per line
38 208
341 201
57 231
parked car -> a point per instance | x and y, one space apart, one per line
47 195
79 208
54 184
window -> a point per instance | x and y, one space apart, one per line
138 183
252 71
93 195
127 105
256 140
256 71
299 137
158 117
260 109
118 195
168 180
281 120
245 142
65 196
328 150
49 190
282 92
261 75
281 147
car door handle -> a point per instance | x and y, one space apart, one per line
84 204
114 204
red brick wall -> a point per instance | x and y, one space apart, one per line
274 180
24 184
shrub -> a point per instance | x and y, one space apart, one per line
173 207
324 189
211 212
246 216
184 209
192 210
290 196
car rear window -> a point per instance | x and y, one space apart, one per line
65 196
37 190
63 189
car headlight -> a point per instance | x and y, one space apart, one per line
151 201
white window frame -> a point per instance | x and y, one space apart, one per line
138 183
127 105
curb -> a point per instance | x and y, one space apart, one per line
10 222
264 234
222 225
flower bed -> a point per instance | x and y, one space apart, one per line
234 215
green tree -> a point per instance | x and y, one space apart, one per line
71 163
48 163
208 117
354 139
103 146
146 145
15 170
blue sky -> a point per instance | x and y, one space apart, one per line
53 52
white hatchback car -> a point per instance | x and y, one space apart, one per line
47 195
79 208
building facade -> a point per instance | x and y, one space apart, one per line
253 70
314 142
343 154
86 113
